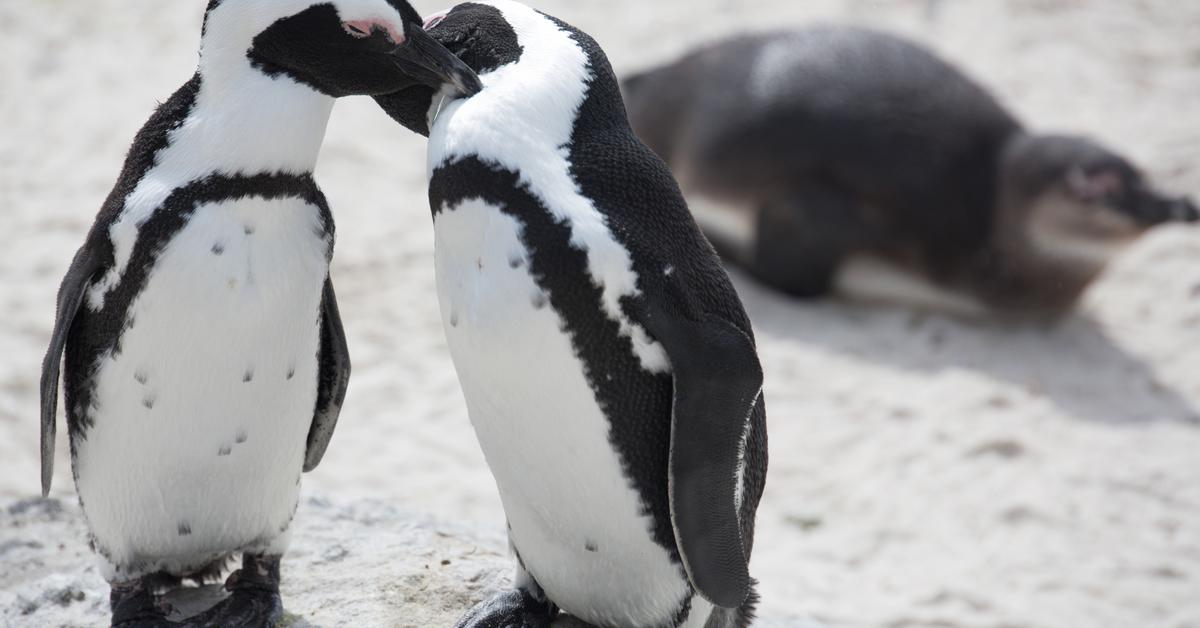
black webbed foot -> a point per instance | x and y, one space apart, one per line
253 602
135 606
514 608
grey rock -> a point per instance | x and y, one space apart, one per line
392 568
363 563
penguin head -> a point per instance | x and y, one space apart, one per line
1074 190
336 47
477 33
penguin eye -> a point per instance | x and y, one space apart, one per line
355 30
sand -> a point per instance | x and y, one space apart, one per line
924 471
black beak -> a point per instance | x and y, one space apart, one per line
1152 209
432 64
1184 210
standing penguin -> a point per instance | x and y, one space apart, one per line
840 159
609 369
205 362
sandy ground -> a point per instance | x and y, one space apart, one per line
925 471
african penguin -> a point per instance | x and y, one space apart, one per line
608 366
205 362
839 159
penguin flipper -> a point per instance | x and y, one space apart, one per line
718 381
70 298
332 380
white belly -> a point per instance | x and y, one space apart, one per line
201 419
575 519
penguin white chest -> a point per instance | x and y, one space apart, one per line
201 412
575 519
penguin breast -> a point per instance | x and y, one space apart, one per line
576 520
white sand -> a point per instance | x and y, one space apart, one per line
924 472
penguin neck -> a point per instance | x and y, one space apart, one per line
530 107
541 86
246 122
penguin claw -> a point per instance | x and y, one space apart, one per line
231 582
514 608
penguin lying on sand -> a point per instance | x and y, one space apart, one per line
842 159
205 363
609 369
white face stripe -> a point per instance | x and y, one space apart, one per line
523 121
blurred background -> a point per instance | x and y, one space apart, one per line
925 470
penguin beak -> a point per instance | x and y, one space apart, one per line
431 64
1184 210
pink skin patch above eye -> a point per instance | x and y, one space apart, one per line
362 29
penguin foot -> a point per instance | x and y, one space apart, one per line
134 606
254 600
515 608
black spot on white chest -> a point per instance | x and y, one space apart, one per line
218 377
229 308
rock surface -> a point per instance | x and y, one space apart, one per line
362 564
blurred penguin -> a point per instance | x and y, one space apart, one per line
843 160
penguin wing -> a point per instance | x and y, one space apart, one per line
332 379
70 298
718 381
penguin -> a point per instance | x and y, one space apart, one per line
609 368
842 160
202 354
